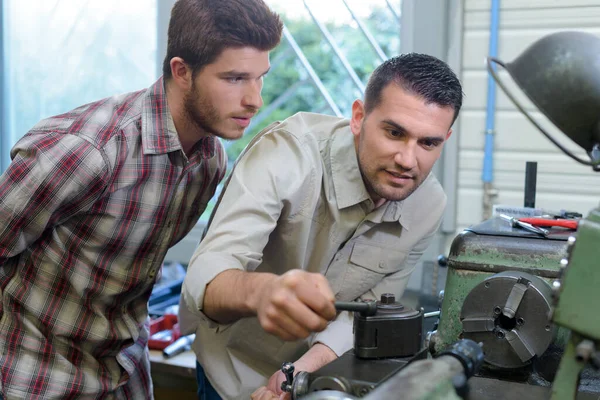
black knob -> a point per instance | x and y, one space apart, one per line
288 370
442 261
388 298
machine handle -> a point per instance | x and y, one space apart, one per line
288 370
366 309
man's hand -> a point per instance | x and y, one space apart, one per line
262 393
290 306
294 304
318 356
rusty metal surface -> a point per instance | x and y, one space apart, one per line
493 246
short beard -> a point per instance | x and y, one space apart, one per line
371 186
200 112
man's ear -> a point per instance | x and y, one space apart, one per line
448 134
181 73
358 116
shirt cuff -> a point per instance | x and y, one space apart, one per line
338 335
201 271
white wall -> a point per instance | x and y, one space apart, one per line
561 182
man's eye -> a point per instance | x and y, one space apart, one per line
235 79
394 133
429 144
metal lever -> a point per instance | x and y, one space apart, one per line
288 370
366 309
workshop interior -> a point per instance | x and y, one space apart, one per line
503 303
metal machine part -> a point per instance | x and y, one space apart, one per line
387 336
489 248
445 377
509 313
560 73
394 330
349 374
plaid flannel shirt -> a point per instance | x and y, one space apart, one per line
89 206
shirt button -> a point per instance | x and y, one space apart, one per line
381 265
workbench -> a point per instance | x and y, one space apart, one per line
175 377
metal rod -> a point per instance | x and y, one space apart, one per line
357 82
367 33
366 309
311 72
431 314
393 10
530 183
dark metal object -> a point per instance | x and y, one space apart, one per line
494 247
387 336
509 313
469 353
351 375
530 183
431 379
288 371
394 331
365 308
559 74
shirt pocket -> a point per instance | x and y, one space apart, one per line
368 264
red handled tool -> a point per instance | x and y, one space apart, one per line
565 223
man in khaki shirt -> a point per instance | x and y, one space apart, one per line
318 209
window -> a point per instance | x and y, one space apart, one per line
60 54
342 42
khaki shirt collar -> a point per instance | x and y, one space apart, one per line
347 179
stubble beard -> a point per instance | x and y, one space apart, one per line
369 175
201 114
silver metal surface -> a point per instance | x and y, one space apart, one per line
514 300
330 383
419 380
431 314
509 313
328 395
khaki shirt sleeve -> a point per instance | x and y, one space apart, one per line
268 179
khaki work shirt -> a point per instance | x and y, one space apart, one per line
296 199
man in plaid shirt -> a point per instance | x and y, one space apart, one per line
94 198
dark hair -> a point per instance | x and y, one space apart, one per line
199 30
420 74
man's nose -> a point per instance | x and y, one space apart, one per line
406 156
252 97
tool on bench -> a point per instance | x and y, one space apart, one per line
551 222
514 222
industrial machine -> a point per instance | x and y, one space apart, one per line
529 298
388 343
